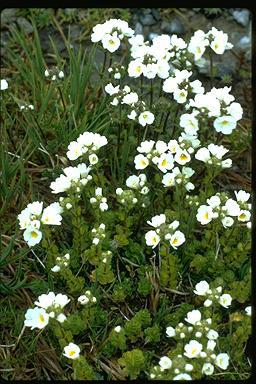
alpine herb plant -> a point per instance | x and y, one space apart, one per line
146 221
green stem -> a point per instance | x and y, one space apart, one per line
165 121
141 84
151 92
104 64
62 99
211 67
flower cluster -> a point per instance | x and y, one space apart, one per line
153 60
53 74
98 234
213 155
163 232
61 262
125 96
215 39
126 197
34 215
48 306
138 183
26 107
177 177
179 85
212 295
116 71
219 105
87 143
87 298
220 206
111 33
73 179
203 351
99 200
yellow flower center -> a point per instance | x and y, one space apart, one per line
34 235
143 162
182 94
71 353
242 216
225 122
183 157
41 318
206 216
145 116
216 46
198 50
154 240
194 350
164 163
111 42
175 241
138 69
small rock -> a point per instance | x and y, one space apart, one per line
147 19
8 15
242 16
138 29
24 25
156 14
4 37
175 26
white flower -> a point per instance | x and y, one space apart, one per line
103 206
189 367
235 110
145 118
222 360
207 369
132 115
157 220
71 351
83 299
61 300
61 74
182 156
36 318
170 331
203 154
225 124
231 207
242 196
180 95
4 84
227 221
182 376
225 300
119 191
165 162
201 288
61 317
110 42
45 301
177 239
169 179
244 215
212 335
211 344
214 201
207 303
193 316
173 146
32 236
189 123
93 159
135 68
130 98
141 161
117 329
204 214
51 216
74 150
170 85
248 310
56 268
146 146
165 362
133 182
152 238
193 349
35 208
111 90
